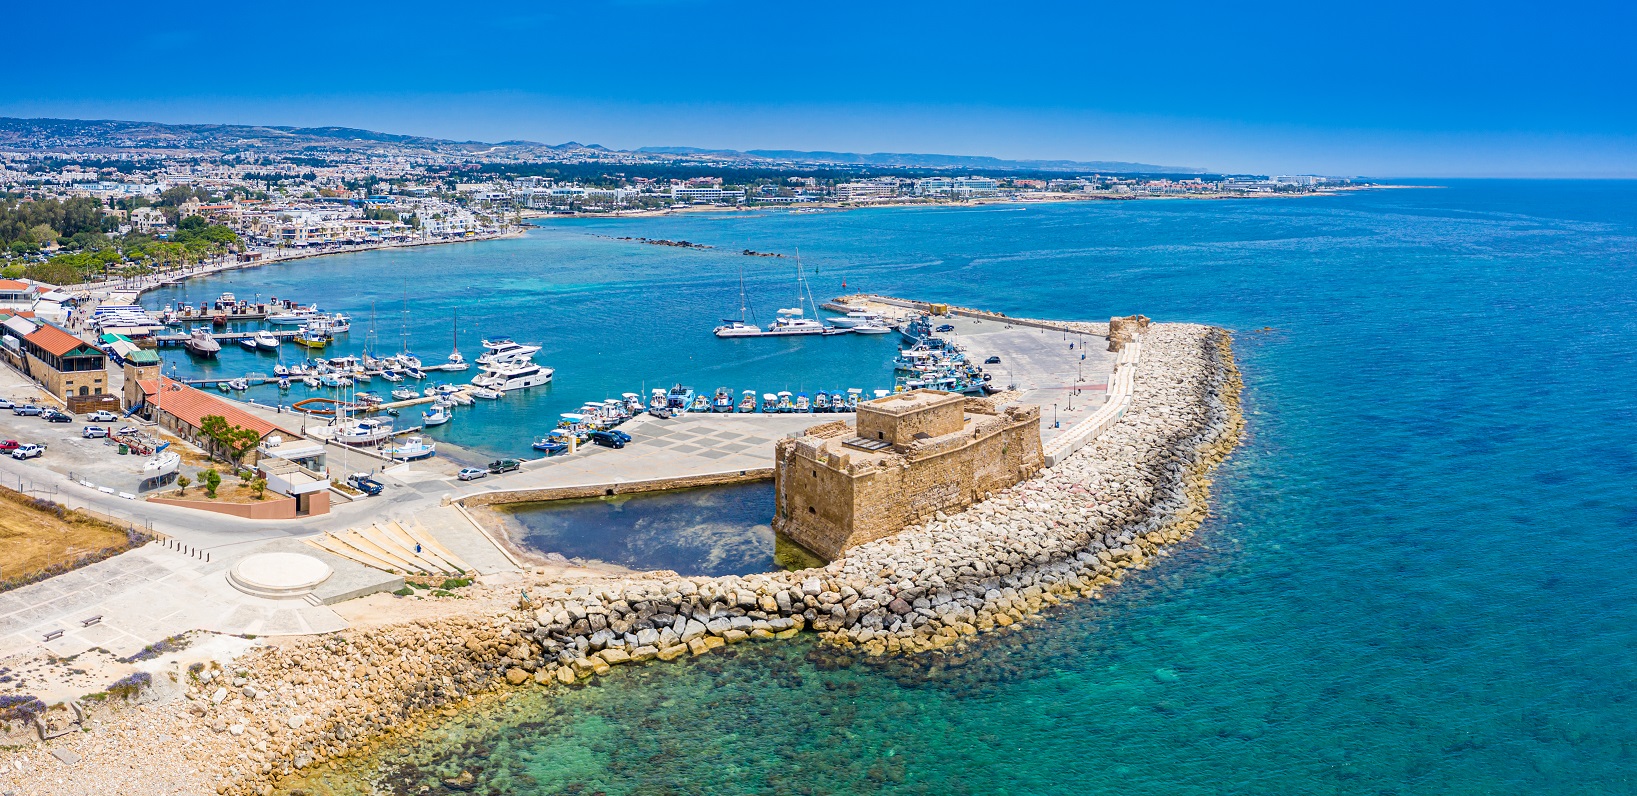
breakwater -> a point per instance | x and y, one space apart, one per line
1070 532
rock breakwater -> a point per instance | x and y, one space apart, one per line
1073 530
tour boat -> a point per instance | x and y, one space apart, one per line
513 375
723 402
201 344
658 400
266 341
364 432
679 397
411 449
770 402
633 403
437 415
802 405
747 401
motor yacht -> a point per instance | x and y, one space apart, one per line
266 341
201 344
248 343
504 349
792 322
513 375
857 318
871 328
392 376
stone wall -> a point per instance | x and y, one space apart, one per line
1124 330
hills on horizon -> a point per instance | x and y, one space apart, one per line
109 136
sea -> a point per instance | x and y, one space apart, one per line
1419 575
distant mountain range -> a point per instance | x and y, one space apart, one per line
925 161
112 137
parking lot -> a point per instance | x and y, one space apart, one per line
67 451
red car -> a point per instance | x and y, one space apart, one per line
8 446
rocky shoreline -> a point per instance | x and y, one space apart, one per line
1072 531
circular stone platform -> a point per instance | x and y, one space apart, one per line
278 574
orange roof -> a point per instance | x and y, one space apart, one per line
13 285
55 340
193 406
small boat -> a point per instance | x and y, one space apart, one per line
284 384
412 448
679 397
366 399
437 415
459 398
201 344
802 404
747 401
633 403
550 446
311 381
787 402
280 370
658 400
723 402
853 396
239 384
409 361
701 403
223 386
770 402
414 372
404 394
333 380
484 393
821 401
307 338
392 376
266 341
248 343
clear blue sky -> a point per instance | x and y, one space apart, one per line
1378 88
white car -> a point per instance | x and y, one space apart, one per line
101 416
471 473
94 432
24 452
5 403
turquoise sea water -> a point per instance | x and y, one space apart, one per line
1418 577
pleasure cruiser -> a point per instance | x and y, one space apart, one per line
504 349
507 376
266 341
201 344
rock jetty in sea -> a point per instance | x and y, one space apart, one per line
1068 532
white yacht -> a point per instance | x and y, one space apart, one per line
265 340
294 317
857 318
504 349
791 321
732 328
871 328
513 375
364 432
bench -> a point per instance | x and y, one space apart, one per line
53 635
92 621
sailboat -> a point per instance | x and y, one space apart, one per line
741 327
456 361
791 321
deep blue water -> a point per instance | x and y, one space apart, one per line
1420 574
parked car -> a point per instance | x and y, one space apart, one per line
101 416
27 410
607 439
7 446
94 432
54 416
621 434
992 361
945 328
471 473
27 452
504 466
6 403
363 483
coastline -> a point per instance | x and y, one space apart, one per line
1069 533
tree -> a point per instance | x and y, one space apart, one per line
213 479
182 482
259 486
236 440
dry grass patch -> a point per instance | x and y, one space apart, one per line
38 539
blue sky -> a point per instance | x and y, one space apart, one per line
1380 88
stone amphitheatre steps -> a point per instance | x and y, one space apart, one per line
391 547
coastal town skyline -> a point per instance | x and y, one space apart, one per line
1343 91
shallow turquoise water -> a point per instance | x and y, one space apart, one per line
712 531
1418 579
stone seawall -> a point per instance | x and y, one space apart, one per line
501 496
1071 531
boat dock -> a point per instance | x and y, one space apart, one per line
226 337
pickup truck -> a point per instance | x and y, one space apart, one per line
24 452
363 483
504 466
27 410
101 416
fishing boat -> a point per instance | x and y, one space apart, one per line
854 394
723 402
266 341
679 397
485 393
770 402
513 375
412 449
364 432
747 401
437 415
787 401
802 405
552 444
821 401
404 394
701 403
201 344
658 400
307 338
